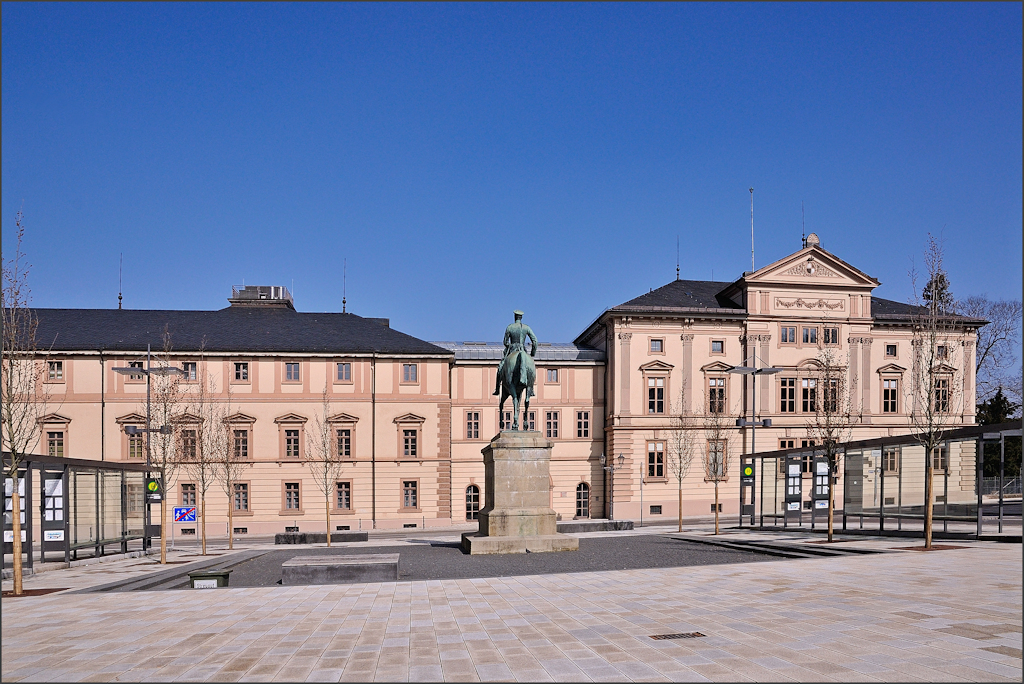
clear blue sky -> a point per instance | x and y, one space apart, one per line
216 143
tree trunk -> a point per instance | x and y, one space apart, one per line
202 513
328 509
163 528
716 507
680 506
231 518
929 499
16 519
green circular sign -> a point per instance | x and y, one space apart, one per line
748 470
153 486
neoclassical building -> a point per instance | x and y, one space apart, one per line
409 418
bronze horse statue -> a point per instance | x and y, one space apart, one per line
517 371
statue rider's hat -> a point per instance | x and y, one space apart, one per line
517 312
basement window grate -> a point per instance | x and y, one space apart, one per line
684 635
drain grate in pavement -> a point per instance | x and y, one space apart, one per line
684 635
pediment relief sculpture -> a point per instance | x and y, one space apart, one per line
818 304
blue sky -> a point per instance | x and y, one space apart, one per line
469 159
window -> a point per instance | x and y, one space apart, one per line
716 459
831 335
54 370
190 369
891 459
583 423
942 395
552 375
291 496
657 346
717 346
135 447
890 351
830 400
940 458
344 492
582 500
551 424
786 444
655 395
472 425
291 372
135 364
188 445
136 502
408 372
188 494
241 496
55 444
809 395
409 443
410 498
810 335
787 395
344 372
531 421
807 460
890 403
788 334
716 395
941 351
344 443
241 371
656 459
241 444
291 444
472 502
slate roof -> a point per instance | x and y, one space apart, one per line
699 294
233 329
494 351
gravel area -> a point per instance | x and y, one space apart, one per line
430 560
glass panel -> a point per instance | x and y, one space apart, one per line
83 506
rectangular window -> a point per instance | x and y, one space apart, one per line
344 372
831 335
786 444
788 334
291 443
291 372
655 459
344 443
716 459
190 369
941 351
810 336
717 346
188 445
55 370
809 395
552 375
241 444
891 459
655 395
472 425
291 496
657 346
188 494
531 421
55 444
241 371
551 424
716 395
135 364
135 447
408 372
409 443
830 400
890 351
941 395
410 498
807 460
583 423
241 496
344 490
890 394
940 458
135 492
787 395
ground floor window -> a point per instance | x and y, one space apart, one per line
472 502
582 500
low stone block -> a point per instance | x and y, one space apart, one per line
318 537
476 544
370 567
579 526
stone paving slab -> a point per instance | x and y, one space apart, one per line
952 615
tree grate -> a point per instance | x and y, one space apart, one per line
684 635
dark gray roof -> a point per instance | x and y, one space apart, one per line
494 351
234 329
886 309
694 294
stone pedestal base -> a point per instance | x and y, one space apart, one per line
517 517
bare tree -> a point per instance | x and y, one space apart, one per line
322 457
681 441
716 453
998 342
231 462
203 438
934 394
25 394
166 405
834 416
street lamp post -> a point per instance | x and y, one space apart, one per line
149 371
752 371
610 470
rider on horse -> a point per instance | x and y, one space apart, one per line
515 344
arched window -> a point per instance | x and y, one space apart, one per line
472 502
582 500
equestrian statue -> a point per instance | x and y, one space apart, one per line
516 372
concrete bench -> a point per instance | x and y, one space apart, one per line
369 567
318 537
580 526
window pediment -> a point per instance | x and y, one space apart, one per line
410 418
656 367
891 368
944 368
716 367
342 418
54 418
130 418
240 418
290 418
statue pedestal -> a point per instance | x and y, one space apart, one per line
517 517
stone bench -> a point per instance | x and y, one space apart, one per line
318 537
369 567
580 526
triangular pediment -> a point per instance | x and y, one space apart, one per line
716 367
342 418
53 418
290 418
891 368
240 418
131 418
944 368
656 366
811 266
186 418
410 418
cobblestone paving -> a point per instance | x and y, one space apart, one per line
952 615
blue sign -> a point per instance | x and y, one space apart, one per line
184 514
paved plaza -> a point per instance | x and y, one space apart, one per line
903 615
